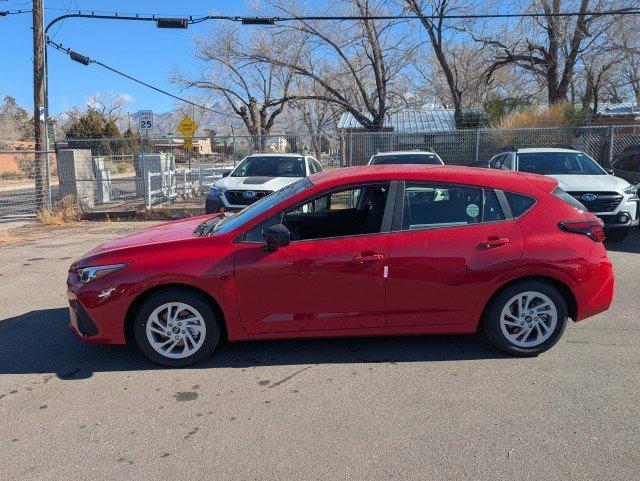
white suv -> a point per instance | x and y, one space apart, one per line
257 176
612 199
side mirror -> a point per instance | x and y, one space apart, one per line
609 171
276 236
225 173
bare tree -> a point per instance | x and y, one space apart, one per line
354 65
550 47
111 105
457 61
626 41
254 91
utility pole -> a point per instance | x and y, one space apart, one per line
39 106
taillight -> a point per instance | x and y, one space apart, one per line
592 228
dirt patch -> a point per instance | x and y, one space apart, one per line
9 237
74 232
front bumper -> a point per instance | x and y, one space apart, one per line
215 203
94 317
626 216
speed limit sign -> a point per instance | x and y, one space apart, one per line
145 120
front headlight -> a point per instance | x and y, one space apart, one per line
88 274
631 190
215 190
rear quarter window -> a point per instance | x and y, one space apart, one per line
519 203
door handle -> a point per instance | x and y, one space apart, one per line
368 257
494 241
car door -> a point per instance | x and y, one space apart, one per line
445 250
331 276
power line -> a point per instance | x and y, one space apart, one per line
196 19
4 13
87 61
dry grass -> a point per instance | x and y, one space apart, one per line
64 211
561 113
4 237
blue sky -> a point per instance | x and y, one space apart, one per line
138 48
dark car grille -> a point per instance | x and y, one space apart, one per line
604 202
237 197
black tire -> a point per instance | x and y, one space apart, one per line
212 336
616 235
491 322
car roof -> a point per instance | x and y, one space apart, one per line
405 152
456 174
542 150
274 154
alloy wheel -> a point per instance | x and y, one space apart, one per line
176 330
528 319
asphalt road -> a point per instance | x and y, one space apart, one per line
388 408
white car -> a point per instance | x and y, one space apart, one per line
256 176
406 157
612 199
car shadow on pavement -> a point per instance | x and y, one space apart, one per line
630 246
41 342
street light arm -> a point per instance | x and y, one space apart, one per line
99 16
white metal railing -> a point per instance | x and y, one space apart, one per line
178 182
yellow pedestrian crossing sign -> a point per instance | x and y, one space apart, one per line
187 127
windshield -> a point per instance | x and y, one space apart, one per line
406 159
270 166
229 222
559 163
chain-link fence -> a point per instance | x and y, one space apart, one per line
130 173
463 147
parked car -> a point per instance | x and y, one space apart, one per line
627 165
612 199
257 176
484 164
405 157
361 251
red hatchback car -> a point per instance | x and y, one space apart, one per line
367 251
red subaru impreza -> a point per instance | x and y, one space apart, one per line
368 251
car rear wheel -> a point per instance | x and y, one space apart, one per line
526 318
176 328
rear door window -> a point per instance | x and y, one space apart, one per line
429 205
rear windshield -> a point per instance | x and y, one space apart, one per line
558 163
270 166
406 159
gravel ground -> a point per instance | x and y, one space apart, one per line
387 408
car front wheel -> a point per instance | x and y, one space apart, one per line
526 319
176 328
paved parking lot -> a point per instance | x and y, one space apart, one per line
388 408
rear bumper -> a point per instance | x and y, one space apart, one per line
598 286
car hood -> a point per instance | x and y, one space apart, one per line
138 245
254 183
590 183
